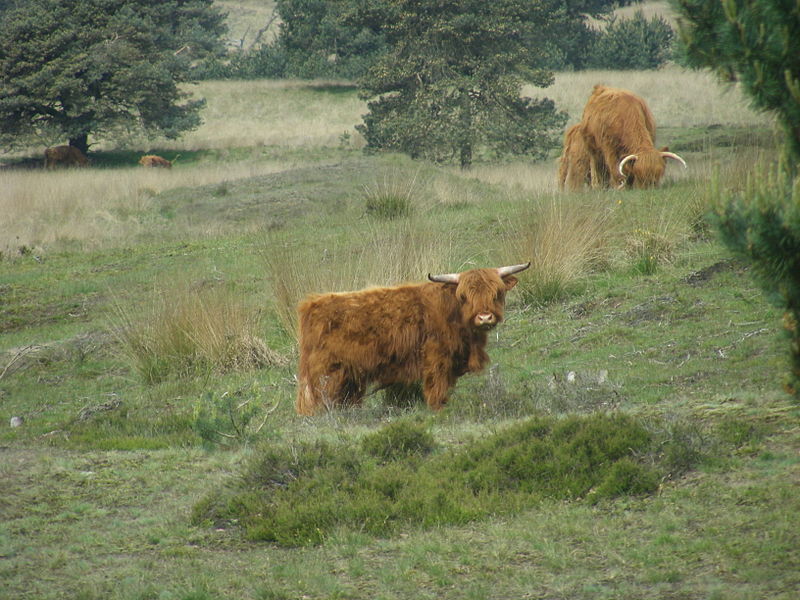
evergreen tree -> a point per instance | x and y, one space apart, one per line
758 43
75 68
635 43
320 42
450 84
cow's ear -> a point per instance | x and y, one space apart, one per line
510 281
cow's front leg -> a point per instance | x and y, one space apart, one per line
437 376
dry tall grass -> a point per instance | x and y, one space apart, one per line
275 113
39 208
93 207
185 331
678 97
565 238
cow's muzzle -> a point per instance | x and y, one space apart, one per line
485 320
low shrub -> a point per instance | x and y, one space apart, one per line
399 440
397 478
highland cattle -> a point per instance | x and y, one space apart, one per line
64 156
430 333
151 160
620 131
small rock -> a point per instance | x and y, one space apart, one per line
571 377
16 421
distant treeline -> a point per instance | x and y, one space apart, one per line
320 39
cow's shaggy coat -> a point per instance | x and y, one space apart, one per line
620 131
64 156
574 166
430 333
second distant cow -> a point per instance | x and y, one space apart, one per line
151 160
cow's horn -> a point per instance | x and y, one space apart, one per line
623 161
675 156
506 271
447 278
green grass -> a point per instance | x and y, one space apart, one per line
100 483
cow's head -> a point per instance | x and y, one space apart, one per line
482 293
645 169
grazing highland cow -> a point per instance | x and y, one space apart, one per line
620 131
151 160
428 332
64 156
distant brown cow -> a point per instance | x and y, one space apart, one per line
431 333
620 132
64 156
151 160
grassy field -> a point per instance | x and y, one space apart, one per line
147 344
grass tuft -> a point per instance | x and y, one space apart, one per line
186 332
565 239
391 197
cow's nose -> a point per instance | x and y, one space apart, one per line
485 319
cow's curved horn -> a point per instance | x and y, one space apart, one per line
506 271
626 159
446 278
674 156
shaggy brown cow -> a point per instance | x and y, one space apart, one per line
428 332
64 156
619 128
151 160
575 164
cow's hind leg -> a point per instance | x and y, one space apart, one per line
327 390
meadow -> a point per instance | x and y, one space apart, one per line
147 344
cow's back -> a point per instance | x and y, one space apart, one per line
365 329
618 117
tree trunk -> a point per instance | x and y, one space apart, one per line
466 156
465 149
81 142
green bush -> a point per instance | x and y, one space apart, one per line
395 479
399 440
634 43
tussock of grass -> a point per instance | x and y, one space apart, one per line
188 331
565 239
392 196
395 481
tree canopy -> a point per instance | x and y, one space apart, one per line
75 68
450 83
